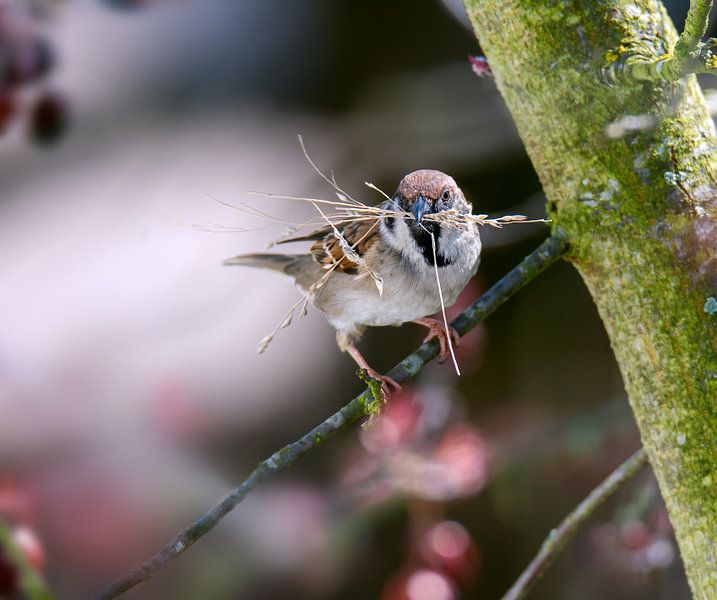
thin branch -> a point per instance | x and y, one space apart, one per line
560 536
635 59
534 264
698 18
32 583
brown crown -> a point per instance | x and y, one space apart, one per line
428 182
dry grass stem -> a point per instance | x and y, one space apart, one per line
449 341
285 322
332 182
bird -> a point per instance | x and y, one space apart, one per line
398 248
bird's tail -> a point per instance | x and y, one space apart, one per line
274 262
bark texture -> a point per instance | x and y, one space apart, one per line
628 165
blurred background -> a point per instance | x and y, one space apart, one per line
131 395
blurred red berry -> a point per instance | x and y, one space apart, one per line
634 548
27 62
421 584
465 458
25 57
48 119
31 546
447 546
635 535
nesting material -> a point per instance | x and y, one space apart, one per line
333 214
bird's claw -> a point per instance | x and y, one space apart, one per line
438 330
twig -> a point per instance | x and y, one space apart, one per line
696 23
560 536
635 60
534 264
31 582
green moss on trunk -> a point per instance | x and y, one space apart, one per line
640 212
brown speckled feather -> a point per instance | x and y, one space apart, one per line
360 235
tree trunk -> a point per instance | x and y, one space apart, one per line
636 198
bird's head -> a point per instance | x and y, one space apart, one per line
428 191
419 194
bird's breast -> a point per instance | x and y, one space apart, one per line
410 291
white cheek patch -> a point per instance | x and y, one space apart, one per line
452 243
399 238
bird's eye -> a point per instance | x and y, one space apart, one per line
446 195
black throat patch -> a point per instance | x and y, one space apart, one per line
422 235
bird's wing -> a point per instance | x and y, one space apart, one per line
329 248
311 236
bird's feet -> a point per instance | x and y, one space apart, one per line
436 329
386 382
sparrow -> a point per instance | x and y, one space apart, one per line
401 250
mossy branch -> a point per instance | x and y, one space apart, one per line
563 533
634 59
640 210
361 406
696 23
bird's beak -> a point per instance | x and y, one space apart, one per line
420 207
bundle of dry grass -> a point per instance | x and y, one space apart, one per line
339 212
